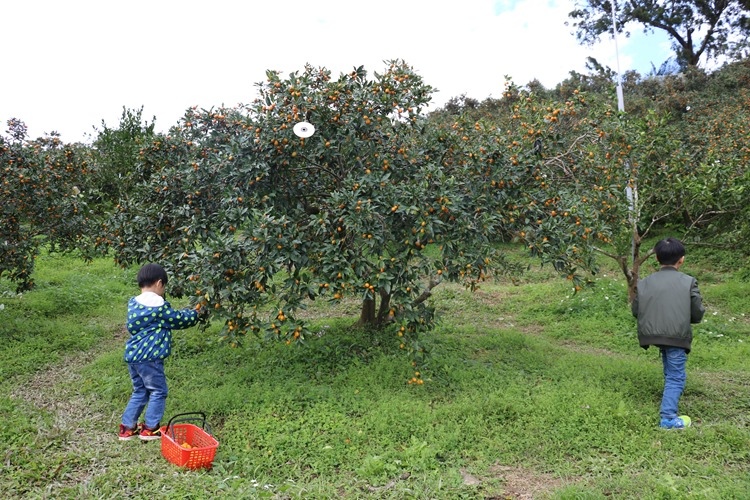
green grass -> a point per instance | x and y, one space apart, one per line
530 389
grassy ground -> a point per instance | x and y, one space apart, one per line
532 392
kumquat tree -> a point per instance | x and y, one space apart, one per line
556 168
321 189
565 175
42 183
589 159
713 180
605 179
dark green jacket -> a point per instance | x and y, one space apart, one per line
666 303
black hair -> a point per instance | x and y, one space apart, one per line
150 274
669 251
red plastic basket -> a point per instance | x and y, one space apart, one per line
187 445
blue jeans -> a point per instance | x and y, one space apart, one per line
674 360
149 388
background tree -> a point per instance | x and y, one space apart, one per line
115 157
573 159
713 177
42 182
682 151
696 28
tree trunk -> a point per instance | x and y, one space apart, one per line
367 315
631 274
634 273
384 309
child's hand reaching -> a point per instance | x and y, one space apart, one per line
202 313
200 308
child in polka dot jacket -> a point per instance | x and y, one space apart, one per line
151 320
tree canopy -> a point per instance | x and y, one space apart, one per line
697 28
254 220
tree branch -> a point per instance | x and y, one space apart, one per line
427 293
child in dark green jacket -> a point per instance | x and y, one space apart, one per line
666 304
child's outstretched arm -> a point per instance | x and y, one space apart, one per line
179 319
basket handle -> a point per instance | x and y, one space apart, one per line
188 417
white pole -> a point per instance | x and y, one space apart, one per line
620 98
629 192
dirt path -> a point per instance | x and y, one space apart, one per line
79 429
54 388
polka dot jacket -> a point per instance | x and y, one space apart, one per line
150 324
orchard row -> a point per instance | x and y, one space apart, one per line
383 201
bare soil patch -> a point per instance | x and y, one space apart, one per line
524 484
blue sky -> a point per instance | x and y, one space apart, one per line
70 64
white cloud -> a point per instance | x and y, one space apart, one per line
69 65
